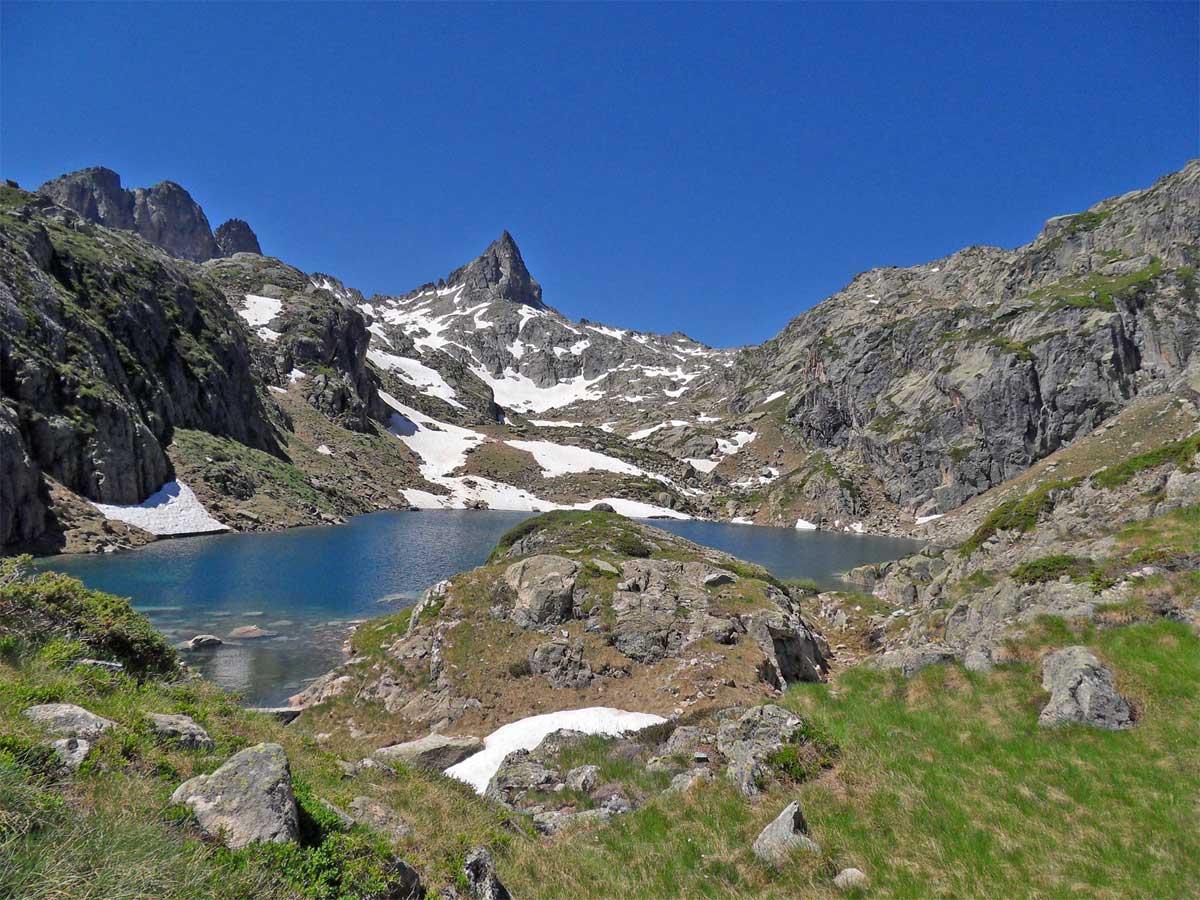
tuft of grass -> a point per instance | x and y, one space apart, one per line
1051 568
1179 453
1019 514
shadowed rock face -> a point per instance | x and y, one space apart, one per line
165 215
236 236
499 274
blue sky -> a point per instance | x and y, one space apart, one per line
716 169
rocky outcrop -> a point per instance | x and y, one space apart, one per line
165 215
247 800
948 378
434 751
1082 691
236 236
562 664
543 586
68 720
786 834
499 274
482 882
748 738
108 345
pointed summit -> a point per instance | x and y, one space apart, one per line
499 274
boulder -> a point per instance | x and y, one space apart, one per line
520 772
748 739
480 874
684 781
70 753
247 800
434 751
68 720
785 835
583 778
851 879
180 730
604 566
718 579
793 652
908 661
1082 690
602 507
562 663
544 587
201 641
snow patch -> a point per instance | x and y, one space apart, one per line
172 509
259 310
525 734
644 433
324 450
703 465
805 525
564 459
422 377
774 396
921 520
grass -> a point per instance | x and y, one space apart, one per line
945 787
1018 514
1180 453
1051 568
1096 291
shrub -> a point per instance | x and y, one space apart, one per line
808 751
631 545
1051 568
1181 453
51 607
1019 514
520 668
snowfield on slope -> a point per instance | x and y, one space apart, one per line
443 447
172 509
527 733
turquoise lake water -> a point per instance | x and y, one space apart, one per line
308 585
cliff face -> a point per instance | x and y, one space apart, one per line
165 215
948 378
106 346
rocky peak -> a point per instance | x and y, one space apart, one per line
499 274
236 236
165 214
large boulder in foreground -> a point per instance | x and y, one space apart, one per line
1082 690
248 800
544 587
434 751
787 833
68 720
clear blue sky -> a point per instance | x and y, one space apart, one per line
711 168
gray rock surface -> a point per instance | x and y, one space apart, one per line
562 663
583 778
165 215
480 873
68 720
236 236
378 817
180 730
850 880
434 751
70 753
247 800
1083 691
787 834
748 738
544 587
